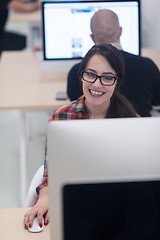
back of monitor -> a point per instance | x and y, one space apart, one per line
95 151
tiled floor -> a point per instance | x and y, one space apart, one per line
9 152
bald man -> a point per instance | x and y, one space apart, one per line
142 77
105 27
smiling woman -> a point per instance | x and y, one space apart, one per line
101 73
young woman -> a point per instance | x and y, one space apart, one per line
101 73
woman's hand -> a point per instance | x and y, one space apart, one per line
40 209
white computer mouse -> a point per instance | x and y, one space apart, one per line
35 226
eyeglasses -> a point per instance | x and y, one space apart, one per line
104 80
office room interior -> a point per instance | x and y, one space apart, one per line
10 130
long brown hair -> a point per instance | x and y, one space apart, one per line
119 107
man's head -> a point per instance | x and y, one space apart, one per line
105 27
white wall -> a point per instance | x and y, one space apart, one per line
150 23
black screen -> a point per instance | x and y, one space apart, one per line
119 211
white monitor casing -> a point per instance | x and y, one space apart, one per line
98 151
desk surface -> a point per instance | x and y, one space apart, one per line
26 85
11 226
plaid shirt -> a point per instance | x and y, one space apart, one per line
75 110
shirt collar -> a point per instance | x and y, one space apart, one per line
80 105
117 45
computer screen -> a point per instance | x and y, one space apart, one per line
104 164
66 26
115 210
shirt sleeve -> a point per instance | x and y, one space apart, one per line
45 173
44 183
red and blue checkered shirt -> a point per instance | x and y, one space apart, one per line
75 110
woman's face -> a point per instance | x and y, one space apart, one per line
97 94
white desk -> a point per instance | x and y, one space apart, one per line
11 222
25 85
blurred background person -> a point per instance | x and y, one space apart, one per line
10 41
24 6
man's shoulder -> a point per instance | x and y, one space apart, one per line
75 67
73 72
128 55
130 58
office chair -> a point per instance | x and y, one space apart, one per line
32 195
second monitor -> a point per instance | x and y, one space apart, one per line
66 26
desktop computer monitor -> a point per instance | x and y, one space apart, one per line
66 26
102 173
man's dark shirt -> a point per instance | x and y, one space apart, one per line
141 83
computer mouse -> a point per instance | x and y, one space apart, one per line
35 226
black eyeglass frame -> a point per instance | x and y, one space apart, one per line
97 76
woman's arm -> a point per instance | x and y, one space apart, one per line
40 209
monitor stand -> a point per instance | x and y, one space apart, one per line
59 65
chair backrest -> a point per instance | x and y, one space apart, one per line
32 196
